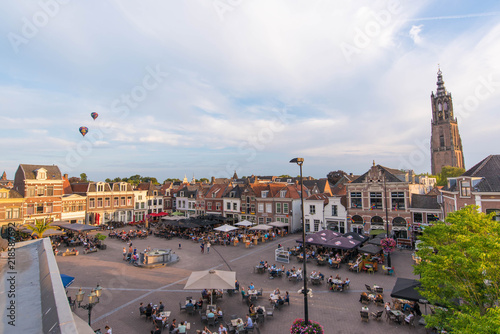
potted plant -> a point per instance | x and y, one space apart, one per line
299 326
101 238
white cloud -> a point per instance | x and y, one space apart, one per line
415 33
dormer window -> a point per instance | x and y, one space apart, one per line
123 187
264 193
231 194
41 174
100 187
155 193
283 193
181 194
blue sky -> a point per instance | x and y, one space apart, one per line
207 87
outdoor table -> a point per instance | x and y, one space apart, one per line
365 309
252 292
235 322
399 315
260 307
165 314
274 297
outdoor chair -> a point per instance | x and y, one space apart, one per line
182 307
260 318
270 313
411 323
259 293
364 316
72 303
379 290
203 317
377 315
190 309
211 322
369 288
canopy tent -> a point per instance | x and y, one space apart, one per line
320 238
377 232
278 224
370 249
178 213
356 236
211 279
245 223
225 228
159 214
374 241
261 227
342 243
77 227
67 280
405 289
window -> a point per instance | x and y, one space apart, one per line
155 202
209 205
181 194
496 217
30 209
264 193
39 208
356 200
312 209
143 205
269 207
139 198
122 201
115 201
99 202
252 208
48 208
160 201
8 214
261 207
398 200
235 206
149 202
268 220
261 220
441 140
31 191
123 187
92 203
228 206
283 193
136 206
107 202
316 225
432 218
50 191
217 206
232 194
308 227
417 217
129 201
278 207
465 188
39 190
285 208
375 201
335 210
100 187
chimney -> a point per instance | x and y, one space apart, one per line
65 176
212 179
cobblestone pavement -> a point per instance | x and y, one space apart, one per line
125 286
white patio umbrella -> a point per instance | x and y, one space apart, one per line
225 228
211 279
261 227
278 224
245 223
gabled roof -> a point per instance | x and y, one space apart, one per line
12 192
66 186
424 202
319 197
80 188
217 189
29 171
489 170
391 175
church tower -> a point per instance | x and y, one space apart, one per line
446 145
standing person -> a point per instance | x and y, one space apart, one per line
124 253
107 330
208 247
202 246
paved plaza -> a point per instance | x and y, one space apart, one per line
125 286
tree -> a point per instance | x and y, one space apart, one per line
108 180
446 172
204 180
41 226
459 271
74 179
83 177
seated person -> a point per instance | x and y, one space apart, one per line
190 303
173 327
379 299
251 309
240 326
182 328
330 261
249 323
251 286
243 293
161 307
330 279
337 277
219 312
409 317
321 276
363 297
204 293
287 273
266 265
199 304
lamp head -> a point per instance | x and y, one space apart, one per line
79 296
298 161
98 291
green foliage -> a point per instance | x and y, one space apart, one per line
284 176
83 177
204 180
459 271
100 236
40 227
446 172
171 180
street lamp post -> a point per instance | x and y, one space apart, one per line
386 222
300 161
93 299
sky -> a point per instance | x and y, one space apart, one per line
209 87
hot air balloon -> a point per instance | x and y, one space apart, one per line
84 130
94 115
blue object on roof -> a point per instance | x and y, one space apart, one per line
67 280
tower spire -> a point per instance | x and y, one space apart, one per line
441 90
